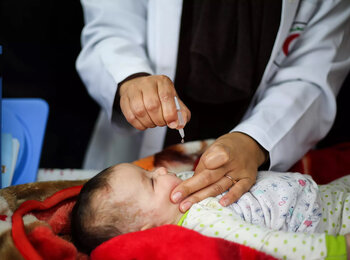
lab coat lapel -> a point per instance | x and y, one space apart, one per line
289 9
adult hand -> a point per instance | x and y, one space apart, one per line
148 101
235 155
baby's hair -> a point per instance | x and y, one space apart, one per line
89 226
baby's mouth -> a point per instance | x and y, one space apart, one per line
172 173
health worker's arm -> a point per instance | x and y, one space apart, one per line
293 109
113 48
298 106
114 51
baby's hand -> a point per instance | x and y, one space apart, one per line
148 101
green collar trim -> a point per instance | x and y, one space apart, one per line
182 219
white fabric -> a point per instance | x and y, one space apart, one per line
279 201
286 215
294 105
211 219
335 201
108 147
282 201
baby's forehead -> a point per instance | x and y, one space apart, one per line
119 172
126 171
125 167
124 178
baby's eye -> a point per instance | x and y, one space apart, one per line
152 182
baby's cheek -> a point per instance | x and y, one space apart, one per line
176 181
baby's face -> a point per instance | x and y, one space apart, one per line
147 191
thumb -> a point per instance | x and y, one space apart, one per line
216 157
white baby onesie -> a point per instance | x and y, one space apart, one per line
278 205
280 201
211 219
335 202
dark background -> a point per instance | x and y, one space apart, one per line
340 131
41 40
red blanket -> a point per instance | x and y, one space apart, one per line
50 237
325 165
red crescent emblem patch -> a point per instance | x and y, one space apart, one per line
288 41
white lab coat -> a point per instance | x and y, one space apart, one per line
294 105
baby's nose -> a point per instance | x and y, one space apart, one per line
161 171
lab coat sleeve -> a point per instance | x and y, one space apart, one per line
298 106
113 48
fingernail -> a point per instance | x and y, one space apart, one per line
173 125
176 197
224 202
186 206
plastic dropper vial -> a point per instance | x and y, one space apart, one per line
181 120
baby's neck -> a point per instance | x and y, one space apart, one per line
177 218
171 216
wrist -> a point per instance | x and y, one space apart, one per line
266 158
116 111
131 77
262 155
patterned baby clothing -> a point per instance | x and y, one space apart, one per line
282 214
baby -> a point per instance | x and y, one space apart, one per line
284 214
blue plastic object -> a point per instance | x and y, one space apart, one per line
25 119
0 100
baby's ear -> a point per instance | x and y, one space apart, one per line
147 226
